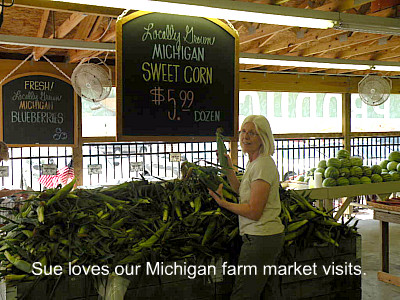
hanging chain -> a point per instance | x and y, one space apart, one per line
123 14
16 68
69 78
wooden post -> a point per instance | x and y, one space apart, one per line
385 246
77 151
234 152
346 119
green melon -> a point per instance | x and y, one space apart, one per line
392 166
344 172
342 181
386 177
343 153
366 171
311 172
384 163
331 172
395 175
345 163
356 161
329 182
334 162
385 171
322 164
398 167
394 156
376 178
376 169
356 171
320 170
365 180
354 180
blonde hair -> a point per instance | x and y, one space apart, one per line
264 131
3 151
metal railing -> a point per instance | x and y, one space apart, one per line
153 159
292 156
24 165
296 156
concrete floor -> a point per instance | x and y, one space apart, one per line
372 288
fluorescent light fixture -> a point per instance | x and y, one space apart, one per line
317 62
370 24
229 10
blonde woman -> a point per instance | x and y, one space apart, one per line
4 156
258 208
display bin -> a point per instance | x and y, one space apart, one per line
315 286
140 287
319 285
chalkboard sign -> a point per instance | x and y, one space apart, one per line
38 110
176 76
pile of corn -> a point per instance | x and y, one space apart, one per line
306 224
139 221
129 223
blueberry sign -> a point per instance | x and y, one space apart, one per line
38 110
176 76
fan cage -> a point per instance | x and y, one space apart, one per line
374 90
91 81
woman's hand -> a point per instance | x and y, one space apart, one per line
218 195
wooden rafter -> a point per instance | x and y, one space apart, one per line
61 32
262 32
43 23
85 28
77 55
363 49
336 44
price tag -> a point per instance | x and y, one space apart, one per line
49 169
136 166
174 157
4 171
94 169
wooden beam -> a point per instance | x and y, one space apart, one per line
61 32
388 278
363 49
262 32
346 120
85 27
68 7
95 29
43 23
77 55
257 81
356 38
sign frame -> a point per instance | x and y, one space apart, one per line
75 113
166 138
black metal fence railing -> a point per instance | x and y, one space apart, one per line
147 158
374 149
24 165
292 156
296 156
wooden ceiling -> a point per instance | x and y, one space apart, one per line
50 19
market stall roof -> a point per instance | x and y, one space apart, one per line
68 32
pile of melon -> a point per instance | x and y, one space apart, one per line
346 170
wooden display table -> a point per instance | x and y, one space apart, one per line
327 194
385 216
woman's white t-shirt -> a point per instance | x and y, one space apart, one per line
262 168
